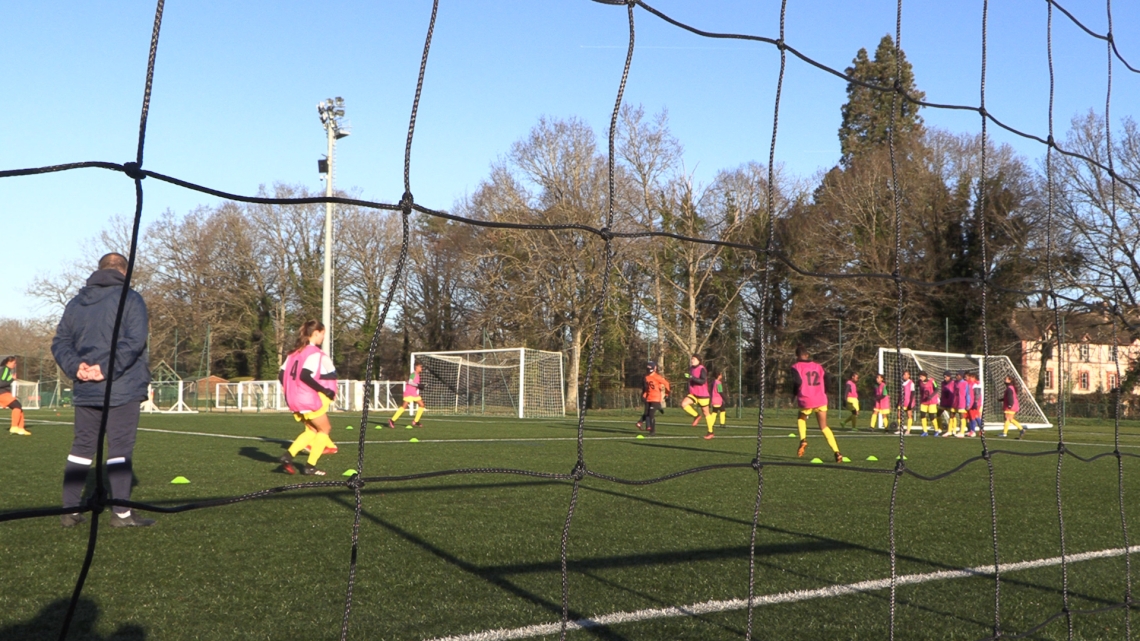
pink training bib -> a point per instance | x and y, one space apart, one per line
812 393
299 396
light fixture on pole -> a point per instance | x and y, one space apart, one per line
331 112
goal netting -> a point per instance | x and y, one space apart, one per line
28 393
526 383
991 371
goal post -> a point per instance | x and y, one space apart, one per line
519 382
991 371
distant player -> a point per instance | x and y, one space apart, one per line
718 398
411 395
655 389
308 379
8 400
927 403
906 401
1010 406
851 392
961 404
698 394
880 416
974 421
811 397
946 403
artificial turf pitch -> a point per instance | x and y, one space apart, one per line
463 554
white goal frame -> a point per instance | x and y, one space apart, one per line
527 402
1030 413
28 393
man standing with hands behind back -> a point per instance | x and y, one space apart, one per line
82 349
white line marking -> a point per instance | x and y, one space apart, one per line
709 607
264 439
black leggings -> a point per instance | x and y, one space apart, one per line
649 415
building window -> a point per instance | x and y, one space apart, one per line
1083 352
1112 381
1083 380
1048 379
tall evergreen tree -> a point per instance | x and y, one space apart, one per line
867 112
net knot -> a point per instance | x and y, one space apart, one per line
134 170
579 471
96 504
1061 447
606 233
406 202
755 464
781 45
355 482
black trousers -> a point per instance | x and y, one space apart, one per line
122 426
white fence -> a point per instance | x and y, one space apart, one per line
266 396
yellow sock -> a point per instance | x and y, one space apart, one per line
306 438
722 416
953 424
1015 422
398 414
909 423
689 409
801 425
924 425
874 419
830 438
320 442
1005 428
711 421
419 413
854 418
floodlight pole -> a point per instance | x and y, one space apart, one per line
326 292
330 111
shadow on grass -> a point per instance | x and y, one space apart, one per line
257 454
46 625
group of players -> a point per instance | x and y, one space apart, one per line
705 391
955 409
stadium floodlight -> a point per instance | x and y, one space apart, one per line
331 112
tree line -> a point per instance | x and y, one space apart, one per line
227 285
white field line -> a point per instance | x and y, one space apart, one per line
264 439
709 607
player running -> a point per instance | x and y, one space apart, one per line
411 395
698 394
1010 406
946 403
308 379
882 412
811 397
927 403
655 389
851 387
718 398
8 400
906 403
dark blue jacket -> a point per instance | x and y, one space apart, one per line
84 336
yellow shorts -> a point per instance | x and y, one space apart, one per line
961 411
808 410
703 402
326 403
928 409
413 399
853 404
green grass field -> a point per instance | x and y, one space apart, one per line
464 554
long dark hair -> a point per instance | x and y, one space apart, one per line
306 332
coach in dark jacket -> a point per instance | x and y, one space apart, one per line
82 348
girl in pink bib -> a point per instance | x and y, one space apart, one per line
308 380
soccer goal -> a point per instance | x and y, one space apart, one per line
526 383
28 392
991 371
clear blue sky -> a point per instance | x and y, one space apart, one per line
237 83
